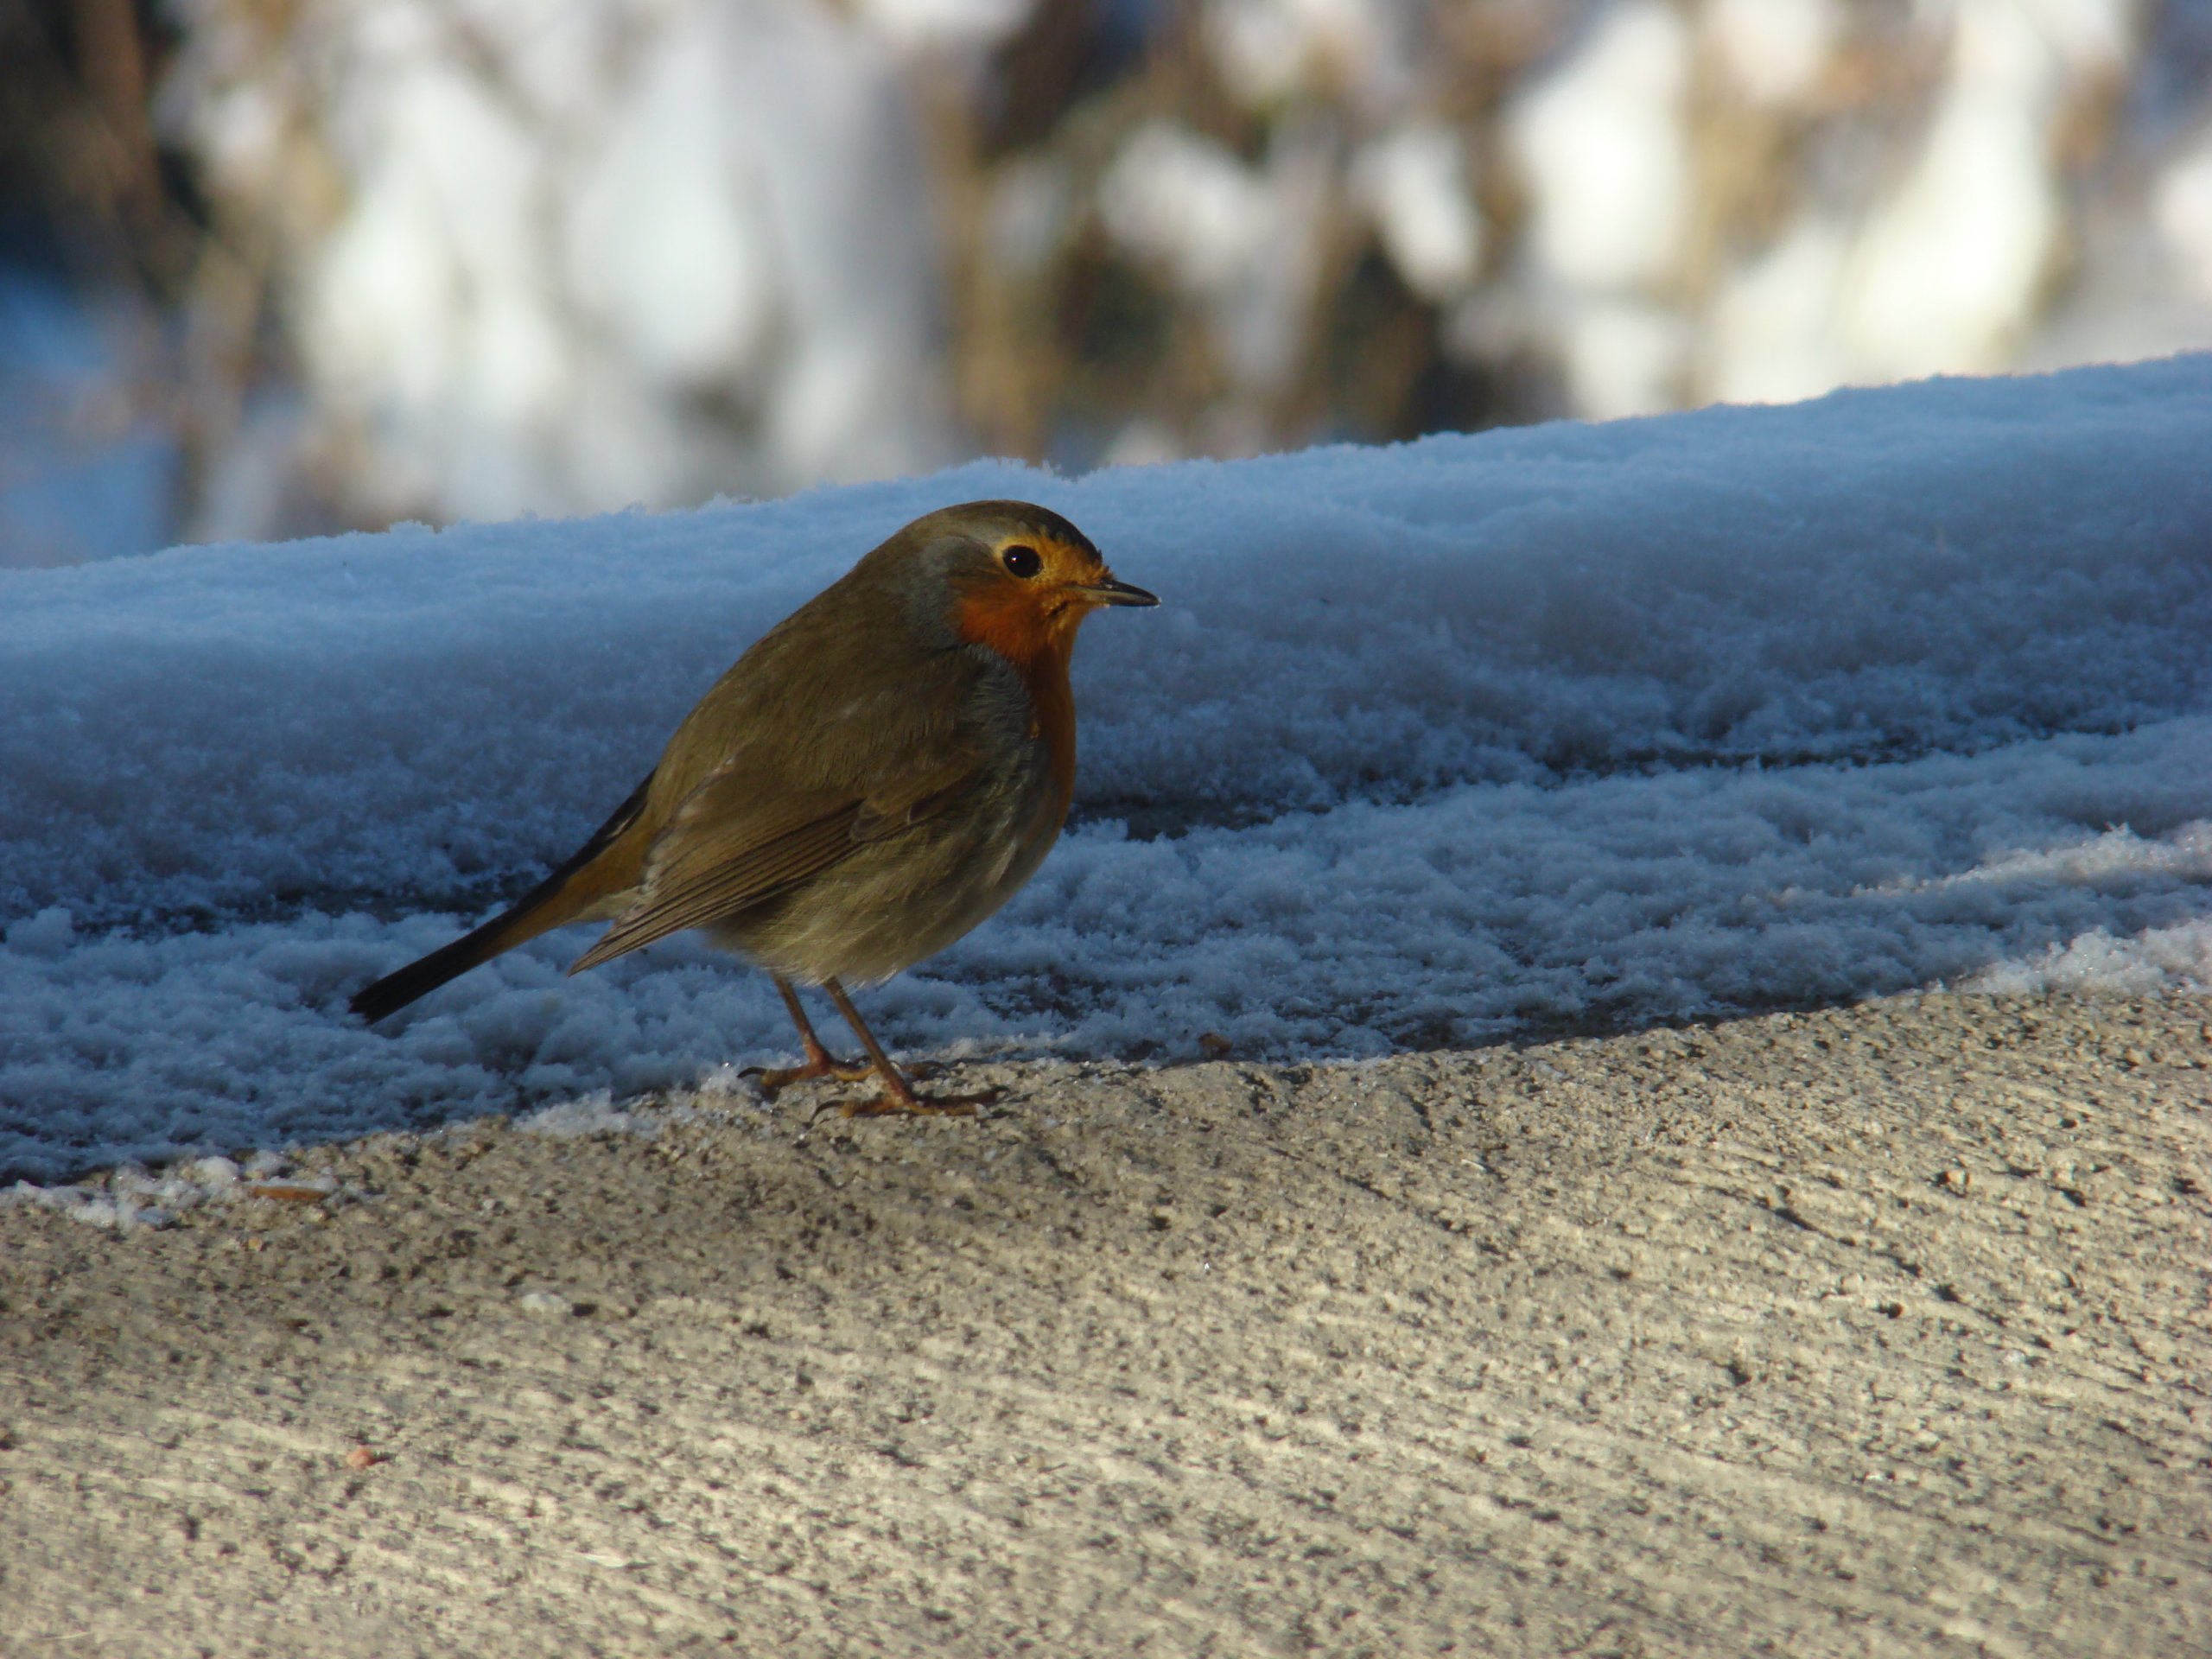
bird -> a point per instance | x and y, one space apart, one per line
875 776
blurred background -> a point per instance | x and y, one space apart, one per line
275 267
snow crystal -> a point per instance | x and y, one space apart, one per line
594 1114
2156 960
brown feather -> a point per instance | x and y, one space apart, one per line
723 852
722 880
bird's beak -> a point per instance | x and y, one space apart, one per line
1110 590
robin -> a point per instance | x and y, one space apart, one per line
873 779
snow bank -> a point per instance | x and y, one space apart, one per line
1631 721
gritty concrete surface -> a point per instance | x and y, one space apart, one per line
1875 1331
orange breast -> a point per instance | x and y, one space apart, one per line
1039 641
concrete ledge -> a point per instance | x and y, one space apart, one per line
1879 1329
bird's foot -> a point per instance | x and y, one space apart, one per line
905 1103
772 1082
818 1066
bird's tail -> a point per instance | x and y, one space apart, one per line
600 866
420 977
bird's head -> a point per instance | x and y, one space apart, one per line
1019 578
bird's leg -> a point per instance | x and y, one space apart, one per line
820 1063
897 1098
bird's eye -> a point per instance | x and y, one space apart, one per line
1023 561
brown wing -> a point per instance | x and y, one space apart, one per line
725 849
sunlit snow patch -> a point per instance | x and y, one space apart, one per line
1566 726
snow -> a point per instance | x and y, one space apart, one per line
1272 52
1244 240
595 1114
1414 182
565 259
2182 210
549 250
923 24
1775 49
1949 271
1558 726
1601 144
